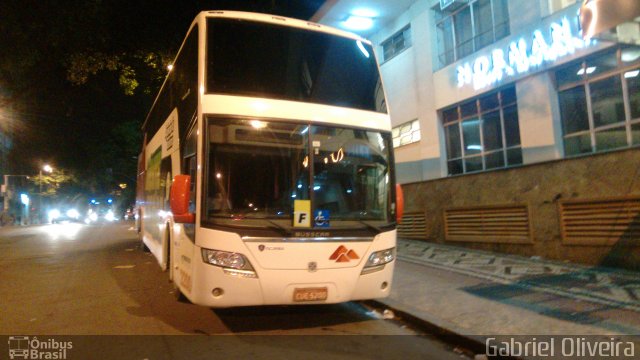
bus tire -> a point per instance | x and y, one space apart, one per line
144 247
178 295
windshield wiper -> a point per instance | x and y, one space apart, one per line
275 226
370 226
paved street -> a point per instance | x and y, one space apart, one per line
75 279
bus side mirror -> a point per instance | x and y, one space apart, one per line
399 203
180 193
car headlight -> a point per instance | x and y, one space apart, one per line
54 214
378 259
73 213
229 260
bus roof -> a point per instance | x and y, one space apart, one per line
275 19
267 18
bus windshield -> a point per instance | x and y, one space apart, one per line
257 169
263 60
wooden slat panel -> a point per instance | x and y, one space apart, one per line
599 221
413 226
508 223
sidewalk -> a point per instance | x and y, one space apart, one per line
477 294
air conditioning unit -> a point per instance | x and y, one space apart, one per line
452 5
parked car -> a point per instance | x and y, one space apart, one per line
57 216
100 215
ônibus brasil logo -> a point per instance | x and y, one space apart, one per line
32 348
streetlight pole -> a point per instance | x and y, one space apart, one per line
48 169
40 196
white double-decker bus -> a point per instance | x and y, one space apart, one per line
266 174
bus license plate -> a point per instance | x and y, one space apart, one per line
310 294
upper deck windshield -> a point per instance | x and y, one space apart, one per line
257 169
259 59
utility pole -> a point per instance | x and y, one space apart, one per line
49 170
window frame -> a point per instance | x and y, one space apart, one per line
502 106
553 6
393 40
414 128
585 82
443 16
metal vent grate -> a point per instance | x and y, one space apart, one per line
600 221
501 224
413 226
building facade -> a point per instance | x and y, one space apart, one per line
511 132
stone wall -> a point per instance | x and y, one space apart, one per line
540 186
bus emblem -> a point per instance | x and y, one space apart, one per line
261 247
342 254
312 266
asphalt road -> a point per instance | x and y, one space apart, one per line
75 279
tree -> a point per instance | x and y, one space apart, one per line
78 77
49 184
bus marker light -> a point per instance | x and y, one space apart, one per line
240 273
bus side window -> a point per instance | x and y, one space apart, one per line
192 172
189 164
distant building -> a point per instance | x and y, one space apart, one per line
512 133
5 145
8 192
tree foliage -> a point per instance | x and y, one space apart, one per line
78 77
82 65
50 184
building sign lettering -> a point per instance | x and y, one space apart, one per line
520 57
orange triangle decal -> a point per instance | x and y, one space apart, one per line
342 258
339 251
352 255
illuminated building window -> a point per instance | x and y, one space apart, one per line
406 133
465 29
600 102
397 43
483 133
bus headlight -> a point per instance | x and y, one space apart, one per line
226 259
378 259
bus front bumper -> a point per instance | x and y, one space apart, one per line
221 289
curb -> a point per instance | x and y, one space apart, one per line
474 343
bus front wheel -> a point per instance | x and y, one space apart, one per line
144 246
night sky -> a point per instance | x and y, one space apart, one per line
77 78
